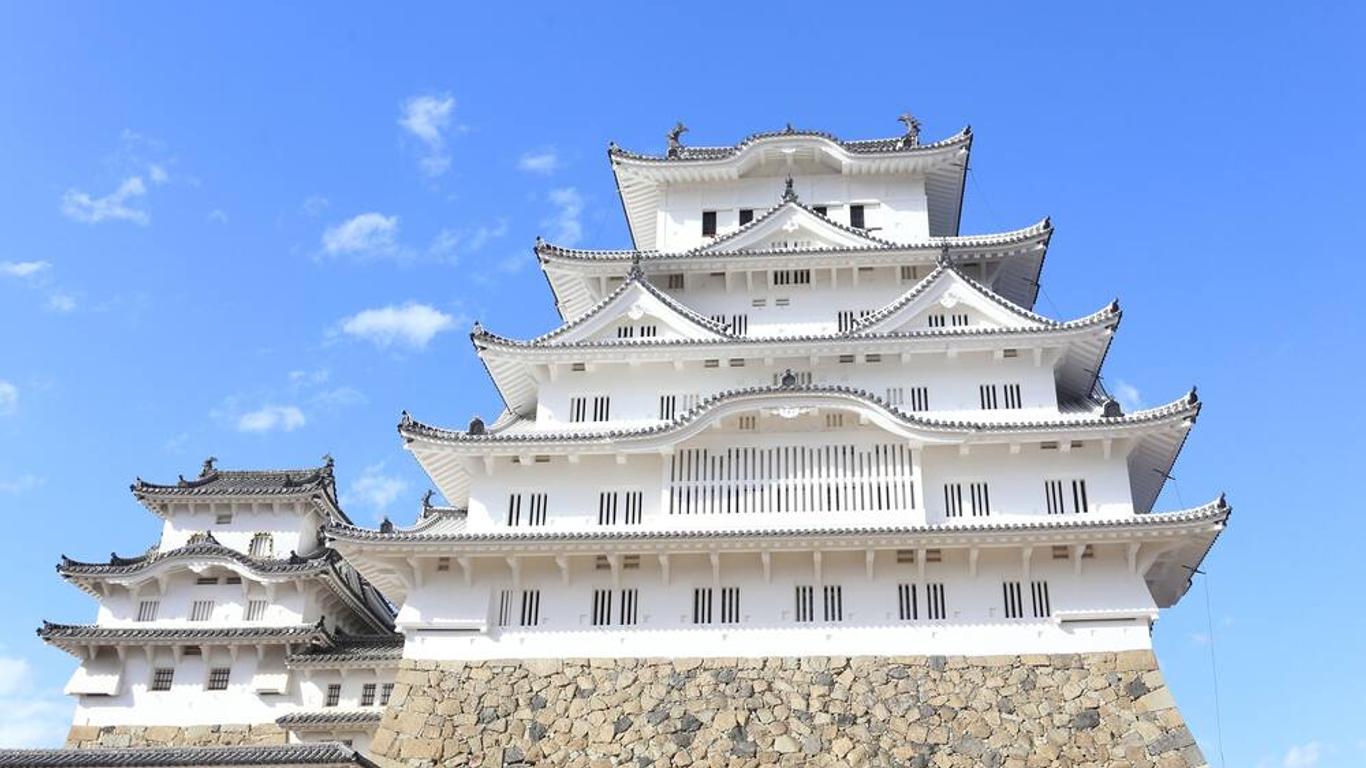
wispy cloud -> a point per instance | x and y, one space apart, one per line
545 161
21 483
1303 755
33 717
411 325
375 489
218 215
566 225
1127 395
272 418
118 205
314 205
367 235
9 398
23 269
428 118
449 244
61 302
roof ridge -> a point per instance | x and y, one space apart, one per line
885 145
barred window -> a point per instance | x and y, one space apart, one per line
262 545
974 498
333 695
701 605
934 602
1038 593
620 507
730 605
147 610
201 610
1066 496
162 677
602 607
1014 604
527 509
367 695
218 678
256 610
592 408
505 598
531 608
806 603
907 606
834 602
385 691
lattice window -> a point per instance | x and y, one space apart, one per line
1038 594
527 509
385 691
672 406
201 610
702 598
1065 496
834 602
602 607
934 602
367 694
531 608
590 408
806 603
848 318
620 507
791 277
674 282
970 498
162 677
1014 604
333 695
907 604
505 597
630 607
825 478
256 610
218 678
262 545
147 610
730 605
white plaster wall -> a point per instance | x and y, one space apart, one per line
896 208
189 703
952 382
974 626
288 605
293 525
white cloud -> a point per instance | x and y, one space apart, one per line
367 234
566 227
9 398
375 489
24 482
545 162
61 302
219 215
449 244
428 117
157 174
1127 395
33 718
114 206
23 268
1302 755
306 378
269 418
412 325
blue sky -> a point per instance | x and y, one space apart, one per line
259 232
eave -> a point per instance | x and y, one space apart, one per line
516 367
641 178
1161 545
448 455
578 278
76 639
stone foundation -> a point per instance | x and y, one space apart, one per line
1079 710
174 735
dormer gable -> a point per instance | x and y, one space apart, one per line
946 299
791 226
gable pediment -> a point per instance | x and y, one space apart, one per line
947 300
791 227
635 311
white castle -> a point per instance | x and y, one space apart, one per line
802 417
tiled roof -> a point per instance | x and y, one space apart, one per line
1214 511
67 636
353 650
859 147
330 719
243 482
120 566
310 754
1185 407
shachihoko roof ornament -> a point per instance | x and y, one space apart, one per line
789 193
673 137
912 137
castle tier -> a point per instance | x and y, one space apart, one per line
238 627
802 422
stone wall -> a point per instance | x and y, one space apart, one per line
174 735
1101 709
